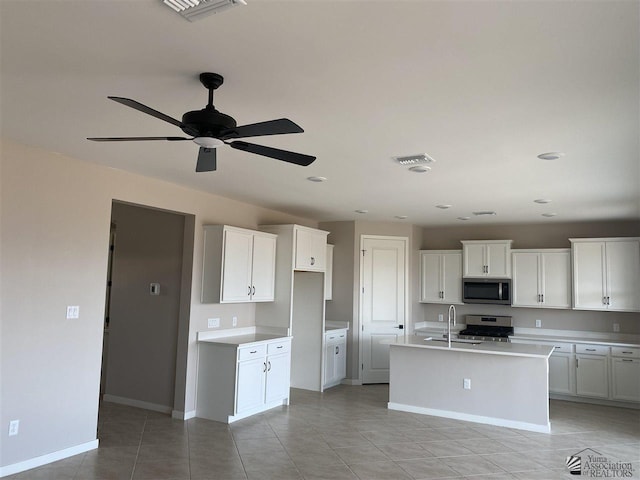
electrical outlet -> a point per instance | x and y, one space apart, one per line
213 322
538 323
73 311
440 317
14 426
466 384
234 322
616 328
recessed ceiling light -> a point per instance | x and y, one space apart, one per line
443 206
401 217
420 168
542 200
553 214
362 211
417 159
550 155
316 179
464 218
484 212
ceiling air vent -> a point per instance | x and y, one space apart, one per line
418 159
194 10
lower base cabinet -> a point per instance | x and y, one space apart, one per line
335 357
562 373
625 374
592 379
239 380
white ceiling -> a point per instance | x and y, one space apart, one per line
483 87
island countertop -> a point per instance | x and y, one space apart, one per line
487 348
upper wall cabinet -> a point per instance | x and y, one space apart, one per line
238 266
542 278
328 274
311 249
486 258
441 276
606 273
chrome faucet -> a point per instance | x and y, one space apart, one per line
451 318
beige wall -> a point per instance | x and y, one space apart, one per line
53 251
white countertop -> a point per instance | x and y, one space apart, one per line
242 340
576 339
488 348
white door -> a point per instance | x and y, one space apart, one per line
431 288
452 277
278 374
556 280
236 269
250 384
264 267
526 279
383 300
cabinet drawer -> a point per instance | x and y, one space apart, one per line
255 351
283 346
592 349
629 352
563 348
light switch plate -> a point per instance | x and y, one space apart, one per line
538 323
234 322
73 311
213 323
466 384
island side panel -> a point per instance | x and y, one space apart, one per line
505 390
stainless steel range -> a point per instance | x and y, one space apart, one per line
487 328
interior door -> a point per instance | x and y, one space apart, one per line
383 303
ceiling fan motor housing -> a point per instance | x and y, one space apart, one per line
207 122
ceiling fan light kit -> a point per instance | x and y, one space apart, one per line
211 129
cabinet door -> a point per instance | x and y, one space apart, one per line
626 379
556 279
278 377
589 275
310 250
318 251
526 279
451 267
250 384
498 257
236 267
561 373
263 268
474 260
328 274
341 359
430 285
591 376
329 363
623 275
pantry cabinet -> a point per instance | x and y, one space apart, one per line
606 274
541 278
441 276
241 376
238 265
486 258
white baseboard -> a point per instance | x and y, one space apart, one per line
132 402
178 415
350 381
499 422
594 401
49 458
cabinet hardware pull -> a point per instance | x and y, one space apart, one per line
337 350
590 349
265 367
279 346
249 292
313 261
269 369
627 360
627 352
253 290
557 347
542 298
254 351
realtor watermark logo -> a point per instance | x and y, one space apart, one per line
593 464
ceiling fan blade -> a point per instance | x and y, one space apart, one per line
135 139
271 127
206 160
148 110
284 155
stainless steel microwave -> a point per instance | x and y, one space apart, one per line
495 291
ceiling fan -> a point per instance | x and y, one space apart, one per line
211 129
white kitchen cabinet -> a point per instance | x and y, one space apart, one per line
562 370
606 274
242 376
335 357
625 374
541 278
328 274
592 371
238 265
311 249
486 258
441 276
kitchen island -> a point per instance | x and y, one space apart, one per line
496 383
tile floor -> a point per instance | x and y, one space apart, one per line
345 433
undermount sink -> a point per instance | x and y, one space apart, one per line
458 340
